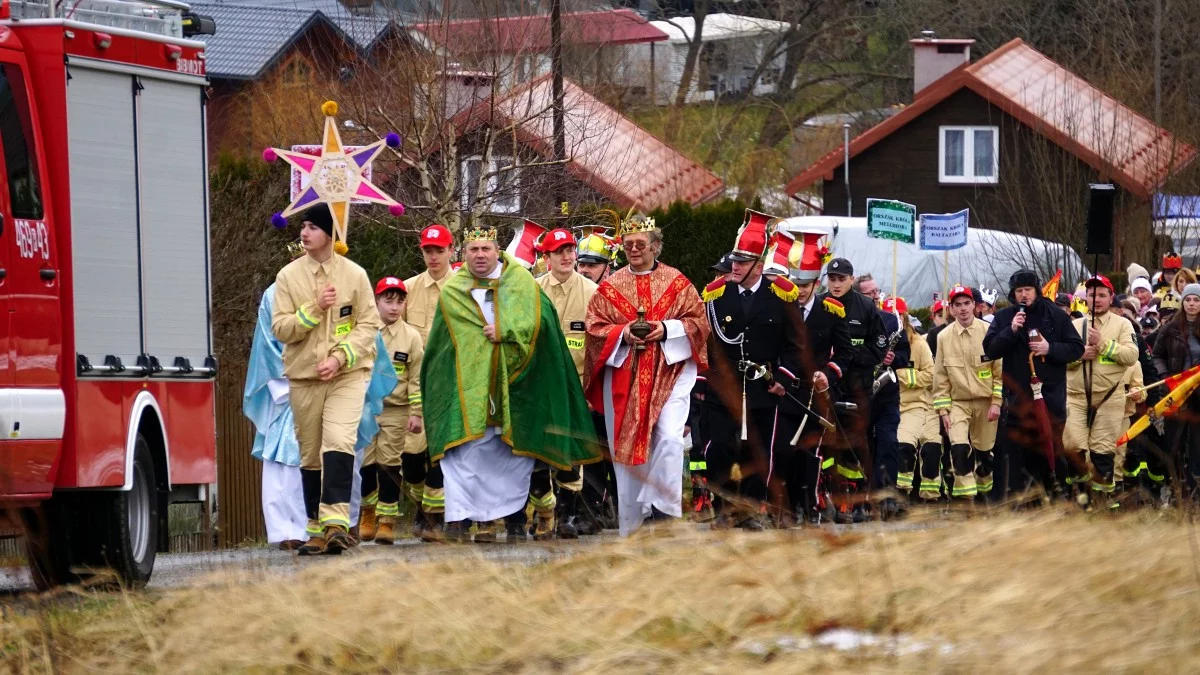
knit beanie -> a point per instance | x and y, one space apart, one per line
320 216
1191 289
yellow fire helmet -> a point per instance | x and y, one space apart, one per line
594 247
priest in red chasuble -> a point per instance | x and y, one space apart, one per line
646 336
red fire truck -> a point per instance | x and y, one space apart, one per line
106 366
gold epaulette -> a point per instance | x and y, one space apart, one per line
714 290
835 307
785 289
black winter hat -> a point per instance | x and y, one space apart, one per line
1021 279
320 216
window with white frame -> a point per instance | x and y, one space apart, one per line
502 191
969 154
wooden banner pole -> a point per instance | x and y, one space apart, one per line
895 265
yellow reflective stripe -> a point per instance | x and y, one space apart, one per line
964 491
933 485
415 490
827 463
388 509
416 398
336 520
371 499
351 359
313 529
546 501
1110 349
852 474
306 320
697 466
904 480
941 403
983 487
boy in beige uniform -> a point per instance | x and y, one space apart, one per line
919 427
967 393
569 292
424 289
396 454
1093 426
326 318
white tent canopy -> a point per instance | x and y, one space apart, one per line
987 261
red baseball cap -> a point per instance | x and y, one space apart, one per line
436 235
938 306
897 305
556 239
1099 280
961 290
390 284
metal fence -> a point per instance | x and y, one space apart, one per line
239 476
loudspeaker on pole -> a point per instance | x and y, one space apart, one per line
1100 219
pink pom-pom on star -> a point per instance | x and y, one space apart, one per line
396 210
269 155
279 221
393 140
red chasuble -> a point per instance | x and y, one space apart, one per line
665 294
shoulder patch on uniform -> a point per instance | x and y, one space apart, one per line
714 290
834 307
785 289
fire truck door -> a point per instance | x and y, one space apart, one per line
5 311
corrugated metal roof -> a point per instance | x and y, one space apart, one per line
531 33
1103 132
605 149
252 35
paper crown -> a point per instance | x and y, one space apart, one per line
752 236
989 295
1172 261
335 178
480 233
523 247
295 249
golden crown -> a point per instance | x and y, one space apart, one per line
480 233
635 224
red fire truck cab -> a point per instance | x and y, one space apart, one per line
106 366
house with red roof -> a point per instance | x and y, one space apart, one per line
508 140
1015 137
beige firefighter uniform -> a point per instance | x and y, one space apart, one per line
326 412
570 299
918 422
405 349
423 294
965 385
1117 352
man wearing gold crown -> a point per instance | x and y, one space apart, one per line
646 338
499 389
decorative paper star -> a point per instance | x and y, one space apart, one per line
334 178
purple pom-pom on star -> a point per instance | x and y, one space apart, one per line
396 210
269 155
279 221
393 140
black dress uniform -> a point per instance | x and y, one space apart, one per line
761 326
825 348
869 345
885 408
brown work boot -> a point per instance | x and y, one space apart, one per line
434 528
385 534
316 545
338 539
544 526
487 533
367 523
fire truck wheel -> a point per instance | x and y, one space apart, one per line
132 534
48 545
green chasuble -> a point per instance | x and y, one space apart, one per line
525 385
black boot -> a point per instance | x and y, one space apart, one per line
514 526
568 514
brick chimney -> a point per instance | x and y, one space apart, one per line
933 57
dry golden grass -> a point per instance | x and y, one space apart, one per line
1050 592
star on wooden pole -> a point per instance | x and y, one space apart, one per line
334 177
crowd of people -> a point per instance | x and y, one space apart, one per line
508 403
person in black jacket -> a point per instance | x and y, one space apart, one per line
756 324
1032 325
825 355
1177 349
868 342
